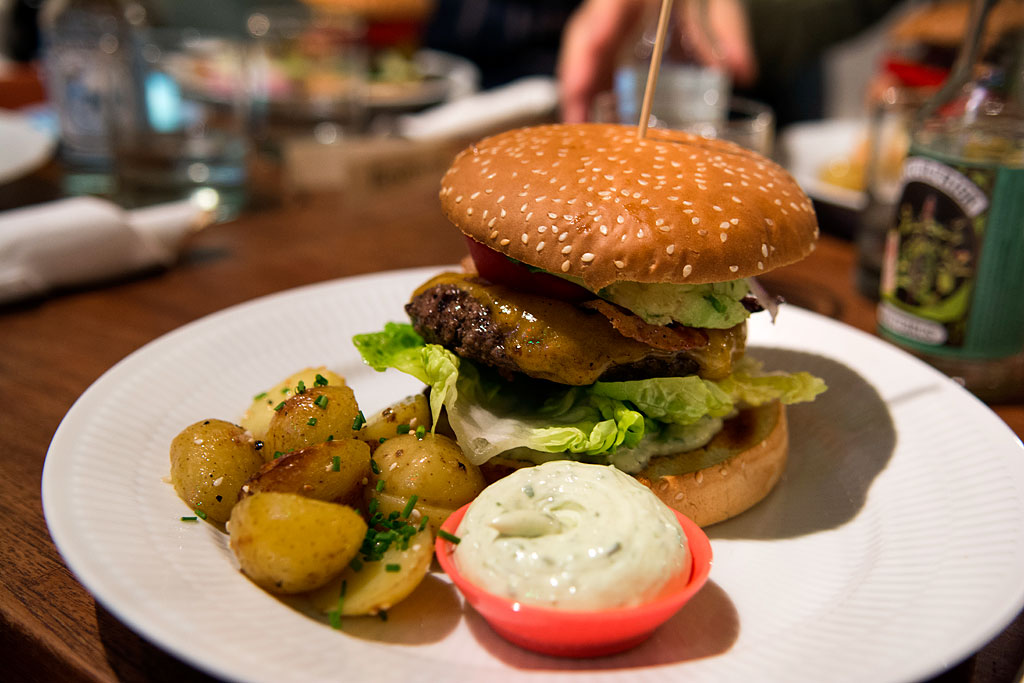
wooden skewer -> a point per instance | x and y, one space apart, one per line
652 73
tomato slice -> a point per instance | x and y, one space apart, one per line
502 270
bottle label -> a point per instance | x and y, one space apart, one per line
953 274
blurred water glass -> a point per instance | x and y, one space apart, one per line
307 75
692 98
179 120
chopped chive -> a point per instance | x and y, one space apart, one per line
715 303
383 614
409 505
336 464
372 507
402 429
423 524
421 432
189 519
320 380
301 388
448 537
330 437
380 486
392 568
279 406
311 422
374 467
321 401
278 454
260 395
382 439
356 564
358 423
199 513
335 618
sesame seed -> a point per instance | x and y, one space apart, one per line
695 220
619 264
724 225
733 269
565 266
760 265
494 235
505 242
723 236
474 195
764 250
670 249
587 257
552 215
540 245
620 220
525 238
458 199
687 269
469 211
566 249
490 223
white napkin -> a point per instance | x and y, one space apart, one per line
86 239
525 98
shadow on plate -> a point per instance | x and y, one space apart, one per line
706 626
838 445
427 616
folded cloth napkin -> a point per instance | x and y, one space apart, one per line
526 98
86 239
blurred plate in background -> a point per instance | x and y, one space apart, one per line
25 146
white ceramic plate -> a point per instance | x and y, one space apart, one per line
23 146
810 147
893 547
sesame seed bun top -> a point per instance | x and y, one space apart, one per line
596 202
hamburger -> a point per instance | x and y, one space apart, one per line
603 318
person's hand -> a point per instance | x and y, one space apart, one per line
597 31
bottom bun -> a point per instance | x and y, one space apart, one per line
733 472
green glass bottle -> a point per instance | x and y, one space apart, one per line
952 289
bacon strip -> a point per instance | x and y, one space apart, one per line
666 337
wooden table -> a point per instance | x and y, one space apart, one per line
52 350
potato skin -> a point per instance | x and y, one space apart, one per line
432 468
310 472
412 411
332 410
373 588
287 543
257 417
210 460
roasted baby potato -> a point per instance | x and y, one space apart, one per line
333 471
257 417
313 416
287 543
407 414
433 468
379 584
210 460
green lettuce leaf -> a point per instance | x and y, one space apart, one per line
491 415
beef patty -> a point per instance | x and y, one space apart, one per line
549 339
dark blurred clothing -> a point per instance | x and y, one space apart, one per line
507 39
